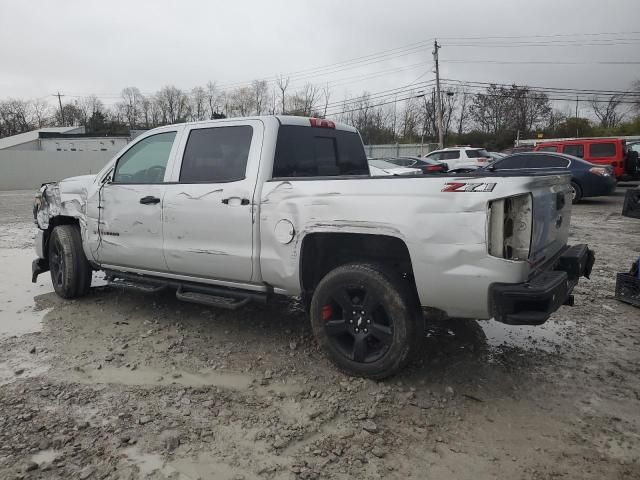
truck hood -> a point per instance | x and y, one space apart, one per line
75 184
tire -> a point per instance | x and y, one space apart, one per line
576 193
366 320
70 271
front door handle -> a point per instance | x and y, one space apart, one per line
149 200
243 201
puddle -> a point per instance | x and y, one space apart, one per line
45 456
207 377
547 337
200 467
19 313
143 376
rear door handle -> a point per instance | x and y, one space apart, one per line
243 201
149 200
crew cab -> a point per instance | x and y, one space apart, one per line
232 211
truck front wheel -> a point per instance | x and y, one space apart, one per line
70 270
365 319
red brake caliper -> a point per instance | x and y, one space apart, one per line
326 312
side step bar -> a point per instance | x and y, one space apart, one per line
138 286
211 300
210 295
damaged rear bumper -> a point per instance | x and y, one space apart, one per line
533 302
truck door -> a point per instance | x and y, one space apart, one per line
127 229
209 211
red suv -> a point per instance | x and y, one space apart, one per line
601 151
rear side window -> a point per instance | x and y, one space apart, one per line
477 153
214 155
551 148
600 150
318 152
450 155
511 163
546 161
575 150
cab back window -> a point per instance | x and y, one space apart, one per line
318 152
551 148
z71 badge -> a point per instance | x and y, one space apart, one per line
468 187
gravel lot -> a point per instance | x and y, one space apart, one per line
122 385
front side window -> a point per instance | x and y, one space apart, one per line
602 150
215 155
575 150
146 161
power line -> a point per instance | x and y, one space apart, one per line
542 62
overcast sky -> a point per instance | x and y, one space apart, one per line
84 47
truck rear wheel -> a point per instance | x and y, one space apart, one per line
365 320
70 270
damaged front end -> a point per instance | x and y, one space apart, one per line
57 203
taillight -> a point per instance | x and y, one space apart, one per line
602 171
510 227
434 168
322 123
481 160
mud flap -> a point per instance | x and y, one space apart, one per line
38 266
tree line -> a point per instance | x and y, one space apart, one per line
490 117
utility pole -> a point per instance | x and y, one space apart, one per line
577 133
60 103
436 47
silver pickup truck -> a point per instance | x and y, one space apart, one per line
231 211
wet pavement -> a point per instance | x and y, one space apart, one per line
123 385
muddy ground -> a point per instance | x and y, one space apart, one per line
121 385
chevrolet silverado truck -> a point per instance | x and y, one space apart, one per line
233 211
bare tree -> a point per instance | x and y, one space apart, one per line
198 104
283 84
326 93
41 112
609 110
463 110
241 101
173 103
131 104
260 91
214 98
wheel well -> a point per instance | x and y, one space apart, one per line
322 252
53 223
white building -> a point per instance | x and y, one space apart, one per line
63 139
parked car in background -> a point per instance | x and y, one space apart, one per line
461 157
587 179
379 166
496 156
600 151
427 165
